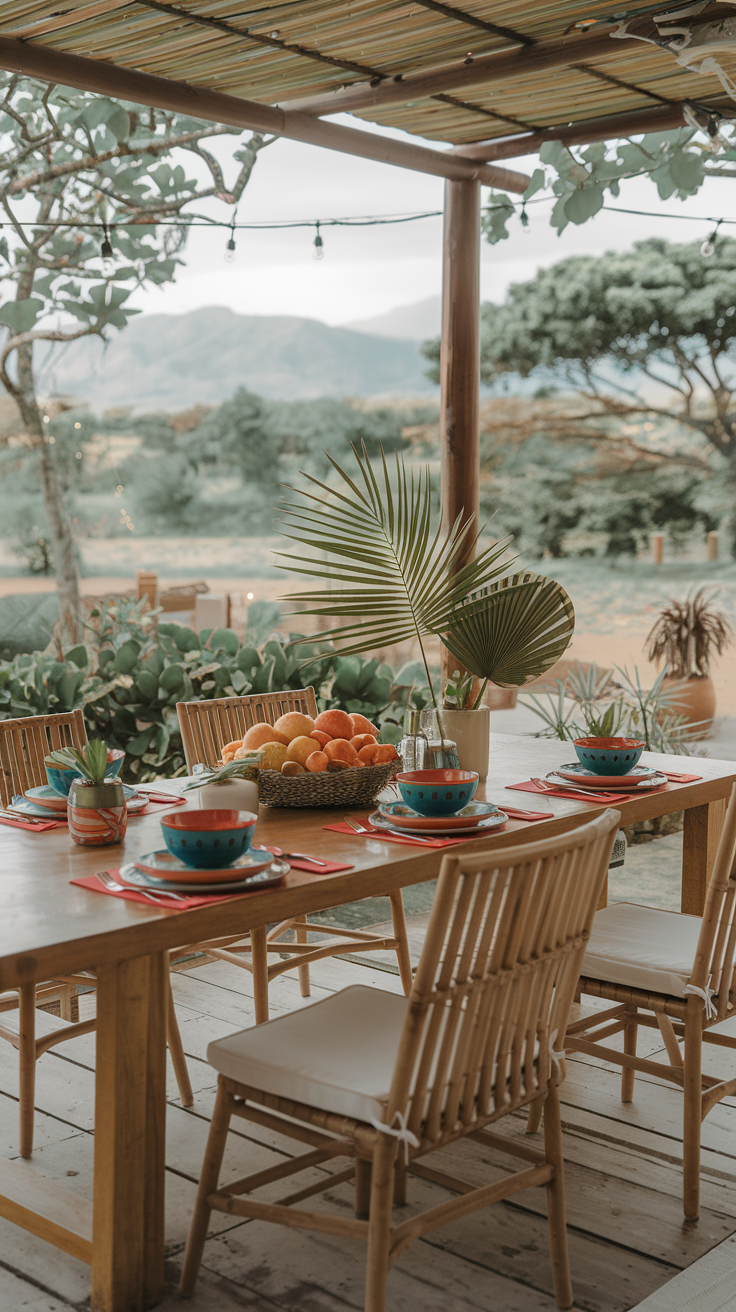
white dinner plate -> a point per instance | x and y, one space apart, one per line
644 786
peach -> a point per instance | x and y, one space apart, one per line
386 752
294 725
260 734
361 725
317 762
367 754
299 749
339 749
231 748
274 755
334 766
292 767
362 740
336 723
320 737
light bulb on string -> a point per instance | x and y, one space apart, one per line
709 245
524 218
319 246
229 256
106 250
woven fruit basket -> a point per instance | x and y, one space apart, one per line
326 788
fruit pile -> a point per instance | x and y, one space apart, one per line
297 744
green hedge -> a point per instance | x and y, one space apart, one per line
129 676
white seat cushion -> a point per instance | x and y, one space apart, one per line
337 1054
643 947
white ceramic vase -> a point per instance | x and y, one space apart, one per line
471 730
230 795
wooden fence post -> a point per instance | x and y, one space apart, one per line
712 545
658 547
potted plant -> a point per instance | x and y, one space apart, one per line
395 577
232 787
685 638
96 806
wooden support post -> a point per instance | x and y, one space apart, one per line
702 830
146 585
460 358
712 545
657 547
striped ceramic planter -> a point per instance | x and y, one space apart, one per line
97 813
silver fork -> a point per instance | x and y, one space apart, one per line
153 894
361 829
303 856
583 792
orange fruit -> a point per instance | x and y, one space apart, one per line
320 736
260 734
292 767
386 752
299 749
231 748
336 723
294 725
362 740
339 749
317 762
367 754
361 725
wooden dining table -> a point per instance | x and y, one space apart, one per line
51 927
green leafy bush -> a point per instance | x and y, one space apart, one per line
129 674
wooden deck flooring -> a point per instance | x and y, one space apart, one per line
627 1236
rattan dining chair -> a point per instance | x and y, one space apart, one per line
205 729
675 973
23 745
384 1080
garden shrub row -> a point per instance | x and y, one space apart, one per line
129 674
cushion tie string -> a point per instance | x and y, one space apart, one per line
403 1133
706 995
556 1058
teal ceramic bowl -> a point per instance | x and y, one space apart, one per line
60 776
437 792
609 755
208 840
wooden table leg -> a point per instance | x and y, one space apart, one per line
703 825
130 1120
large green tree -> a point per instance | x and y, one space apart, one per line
95 202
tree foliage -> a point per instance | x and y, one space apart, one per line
94 197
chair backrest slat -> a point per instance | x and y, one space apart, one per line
496 978
713 966
24 744
207 726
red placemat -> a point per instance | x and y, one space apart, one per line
682 778
568 794
343 828
27 824
165 903
324 868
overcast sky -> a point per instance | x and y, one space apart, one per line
367 271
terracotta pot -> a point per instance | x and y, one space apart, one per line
97 813
471 730
696 700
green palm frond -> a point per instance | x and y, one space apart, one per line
513 630
387 570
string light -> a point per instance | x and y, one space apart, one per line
709 245
524 217
230 248
106 250
319 246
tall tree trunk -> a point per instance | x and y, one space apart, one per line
59 521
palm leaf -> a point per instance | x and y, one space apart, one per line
514 630
387 570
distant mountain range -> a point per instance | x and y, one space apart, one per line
170 362
414 322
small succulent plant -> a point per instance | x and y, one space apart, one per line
91 762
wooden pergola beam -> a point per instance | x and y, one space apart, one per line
500 66
50 65
658 119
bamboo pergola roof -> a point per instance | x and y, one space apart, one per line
538 66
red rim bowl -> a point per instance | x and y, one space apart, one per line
209 821
437 777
